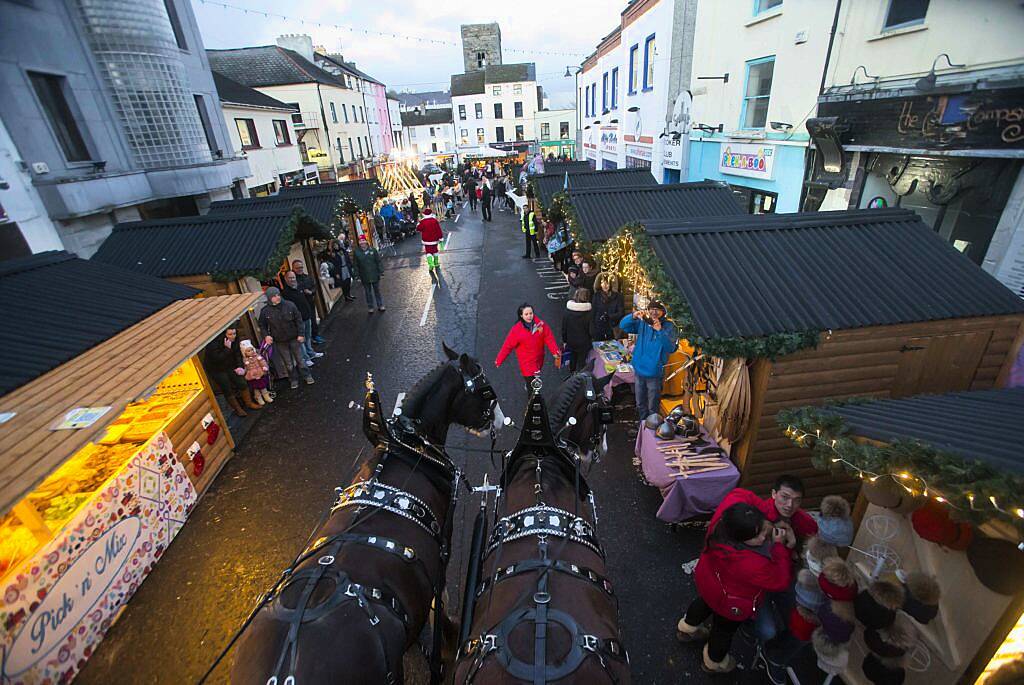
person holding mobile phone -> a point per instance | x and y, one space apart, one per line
655 341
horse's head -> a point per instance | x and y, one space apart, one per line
475 405
580 416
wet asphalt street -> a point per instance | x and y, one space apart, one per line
265 502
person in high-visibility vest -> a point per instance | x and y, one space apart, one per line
430 235
529 226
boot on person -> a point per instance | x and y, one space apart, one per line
248 401
265 392
258 396
687 633
726 665
235 405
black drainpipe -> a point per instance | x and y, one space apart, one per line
831 41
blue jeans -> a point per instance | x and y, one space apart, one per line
648 392
372 291
307 334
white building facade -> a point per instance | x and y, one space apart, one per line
917 112
495 107
555 132
395 119
429 133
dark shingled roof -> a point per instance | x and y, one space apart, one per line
774 273
350 67
995 421
550 184
215 243
60 306
268 65
319 206
429 117
473 83
364 191
232 92
468 84
429 97
603 212
574 167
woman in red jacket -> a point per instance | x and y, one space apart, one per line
528 337
744 558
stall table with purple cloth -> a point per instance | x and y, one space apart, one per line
610 357
693 474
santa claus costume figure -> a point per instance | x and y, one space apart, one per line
431 235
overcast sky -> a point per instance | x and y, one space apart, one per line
528 28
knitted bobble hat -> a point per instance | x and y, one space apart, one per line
837 581
837 620
882 671
808 592
891 643
922 596
802 623
816 552
833 657
876 606
834 524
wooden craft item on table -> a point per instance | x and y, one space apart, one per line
705 469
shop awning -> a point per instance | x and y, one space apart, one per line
114 373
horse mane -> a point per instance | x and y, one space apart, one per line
562 406
417 394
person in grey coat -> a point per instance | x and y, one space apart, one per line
281 325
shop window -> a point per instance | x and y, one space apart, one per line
634 73
480 136
172 15
499 134
497 110
53 95
478 109
519 109
761 6
247 134
281 134
462 112
563 130
903 13
204 119
519 134
545 131
615 88
650 51
757 92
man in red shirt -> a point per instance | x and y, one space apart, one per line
431 235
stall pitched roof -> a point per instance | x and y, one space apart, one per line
319 206
60 306
247 243
550 183
602 212
995 418
364 191
775 273
575 167
114 373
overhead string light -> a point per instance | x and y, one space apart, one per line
382 34
918 486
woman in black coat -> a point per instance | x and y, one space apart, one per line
577 328
608 308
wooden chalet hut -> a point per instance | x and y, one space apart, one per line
548 185
354 200
824 306
572 167
942 494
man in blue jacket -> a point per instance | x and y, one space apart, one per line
655 341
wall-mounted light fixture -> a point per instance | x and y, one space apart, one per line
724 78
927 82
861 67
705 128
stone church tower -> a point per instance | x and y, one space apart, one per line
481 46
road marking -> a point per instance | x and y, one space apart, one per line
398 403
457 218
448 241
426 307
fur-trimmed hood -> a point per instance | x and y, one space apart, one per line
574 306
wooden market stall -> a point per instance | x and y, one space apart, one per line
571 166
820 306
932 465
106 442
549 184
355 200
221 253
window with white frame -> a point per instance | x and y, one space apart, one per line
604 92
520 135
517 89
462 112
334 114
615 88
480 136
650 51
545 131
478 109
563 130
497 110
495 90
518 109
761 6
499 134
634 68
903 13
757 92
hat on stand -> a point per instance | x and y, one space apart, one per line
834 523
808 592
876 606
922 596
833 657
836 580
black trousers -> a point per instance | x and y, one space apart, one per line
722 629
472 201
531 244
346 287
485 211
579 358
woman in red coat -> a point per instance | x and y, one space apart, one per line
744 558
528 338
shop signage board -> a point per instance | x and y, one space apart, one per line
747 159
59 603
610 139
984 119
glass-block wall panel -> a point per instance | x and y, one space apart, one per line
134 44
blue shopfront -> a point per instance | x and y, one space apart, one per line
766 176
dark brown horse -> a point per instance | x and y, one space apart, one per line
545 610
361 593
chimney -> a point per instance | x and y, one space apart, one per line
423 108
299 42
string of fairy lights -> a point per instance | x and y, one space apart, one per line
914 484
370 32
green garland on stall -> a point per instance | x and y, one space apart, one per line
769 346
916 465
274 261
572 220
